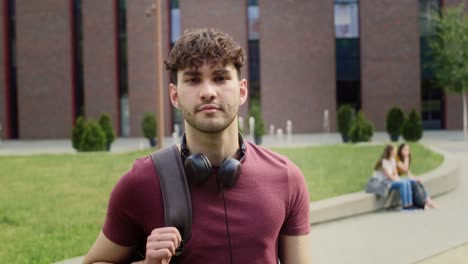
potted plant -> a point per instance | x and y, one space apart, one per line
148 125
106 125
94 138
345 119
77 132
394 122
362 130
412 129
259 126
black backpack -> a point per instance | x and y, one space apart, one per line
419 195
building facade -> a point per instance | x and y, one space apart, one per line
60 59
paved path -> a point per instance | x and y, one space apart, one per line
400 237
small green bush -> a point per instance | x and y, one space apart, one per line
106 125
345 119
77 132
94 138
148 125
256 112
362 130
394 122
412 127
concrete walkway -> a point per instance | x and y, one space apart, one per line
425 237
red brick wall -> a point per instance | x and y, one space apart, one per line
142 76
3 64
229 16
297 63
390 64
100 60
44 69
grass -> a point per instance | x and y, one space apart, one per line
52 206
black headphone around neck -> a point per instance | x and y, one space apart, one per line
198 168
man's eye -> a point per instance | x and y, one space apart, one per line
220 79
192 80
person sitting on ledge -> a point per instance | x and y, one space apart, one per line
386 165
403 167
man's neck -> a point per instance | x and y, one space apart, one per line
216 147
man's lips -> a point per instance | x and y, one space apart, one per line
208 108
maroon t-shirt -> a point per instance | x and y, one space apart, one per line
269 199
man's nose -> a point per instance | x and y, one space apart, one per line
208 91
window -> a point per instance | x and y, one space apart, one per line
432 108
77 36
122 68
347 44
11 89
253 15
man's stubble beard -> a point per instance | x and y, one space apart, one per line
208 126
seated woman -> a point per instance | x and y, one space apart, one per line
403 168
387 166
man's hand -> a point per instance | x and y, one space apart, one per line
161 245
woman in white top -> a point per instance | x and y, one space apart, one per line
387 165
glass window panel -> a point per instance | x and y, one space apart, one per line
175 24
346 20
254 14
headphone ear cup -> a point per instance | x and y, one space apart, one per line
228 173
197 168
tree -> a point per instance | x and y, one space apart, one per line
449 48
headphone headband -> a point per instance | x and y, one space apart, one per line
185 152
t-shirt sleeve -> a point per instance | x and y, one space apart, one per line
297 220
119 225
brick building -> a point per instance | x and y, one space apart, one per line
60 59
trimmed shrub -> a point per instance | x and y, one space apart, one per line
148 126
412 129
345 119
256 112
362 130
77 132
106 125
93 138
394 122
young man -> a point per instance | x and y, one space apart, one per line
267 210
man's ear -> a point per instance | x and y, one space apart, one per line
244 91
174 95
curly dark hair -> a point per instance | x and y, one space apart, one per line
199 45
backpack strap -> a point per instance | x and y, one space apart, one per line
175 192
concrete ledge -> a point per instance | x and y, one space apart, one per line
437 182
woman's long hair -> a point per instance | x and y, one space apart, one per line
400 153
387 154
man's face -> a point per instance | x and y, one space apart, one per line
209 97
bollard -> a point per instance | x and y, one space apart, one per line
289 131
251 127
326 121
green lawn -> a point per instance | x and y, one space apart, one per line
52 206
